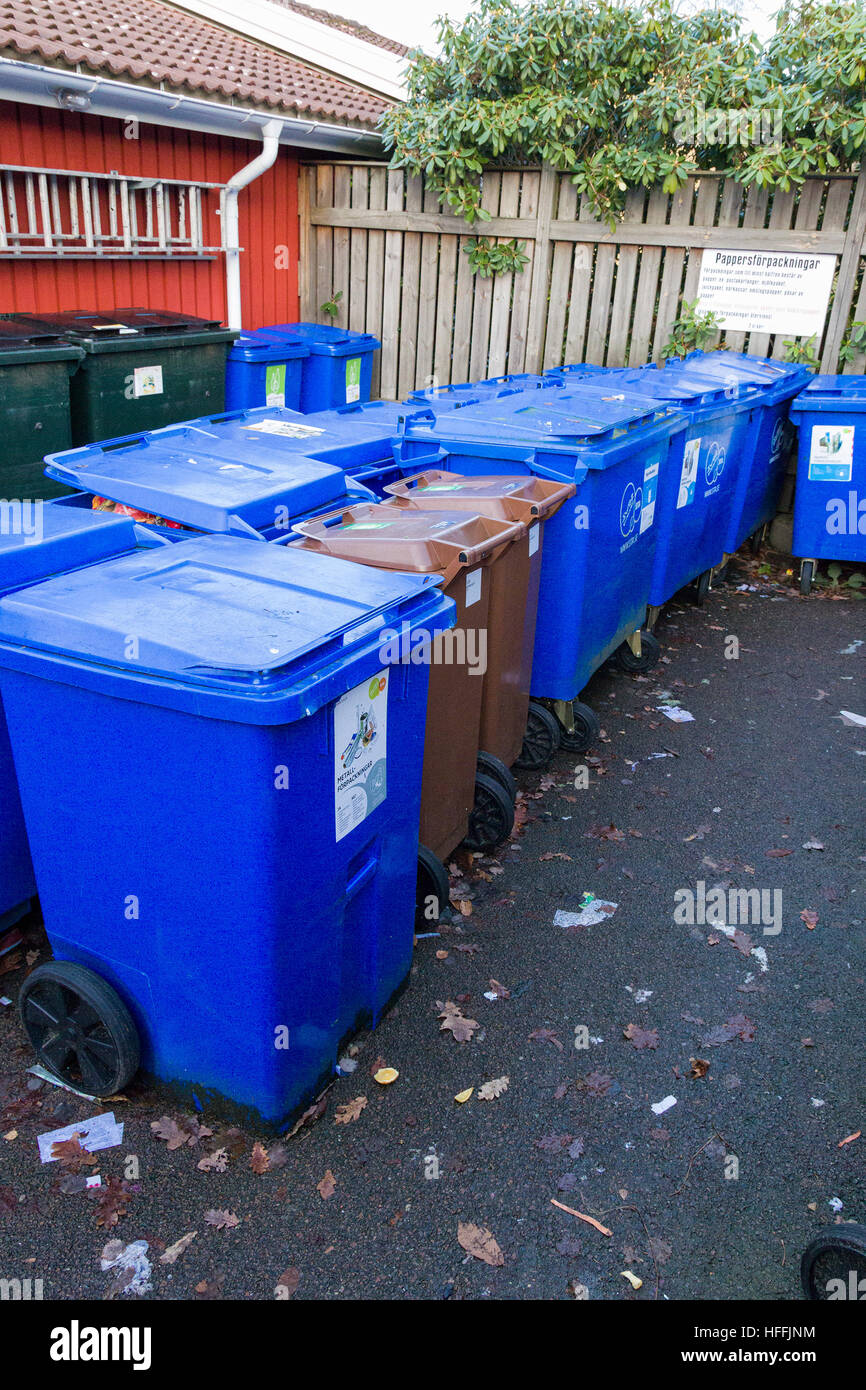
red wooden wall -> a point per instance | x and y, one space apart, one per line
45 138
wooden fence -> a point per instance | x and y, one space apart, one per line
588 293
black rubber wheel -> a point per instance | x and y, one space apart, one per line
492 817
650 651
432 889
702 587
541 740
836 1253
587 727
494 767
79 1027
807 574
756 540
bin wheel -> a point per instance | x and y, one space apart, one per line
650 651
587 727
836 1253
492 817
79 1027
541 740
807 574
720 574
494 767
432 889
756 540
702 587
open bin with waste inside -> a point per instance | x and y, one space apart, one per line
36 365
830 493
227 859
186 476
696 494
598 549
262 371
339 367
48 540
764 462
509 719
468 794
141 368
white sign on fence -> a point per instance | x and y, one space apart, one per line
767 291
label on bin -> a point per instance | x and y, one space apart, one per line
473 587
353 379
275 383
288 428
689 474
360 752
534 537
650 491
147 381
831 454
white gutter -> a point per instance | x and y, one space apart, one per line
326 47
36 85
231 239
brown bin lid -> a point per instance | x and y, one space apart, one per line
420 542
522 497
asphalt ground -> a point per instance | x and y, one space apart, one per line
713 1199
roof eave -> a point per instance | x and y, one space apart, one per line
95 95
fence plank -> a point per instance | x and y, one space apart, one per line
626 274
672 271
647 287
500 314
529 189
324 240
356 290
560 278
408 327
483 295
846 277
730 213
539 291
376 272
391 296
342 180
306 260
445 309
780 219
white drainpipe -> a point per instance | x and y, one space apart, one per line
230 219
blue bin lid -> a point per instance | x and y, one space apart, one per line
722 362
61 538
255 347
460 392
193 475
681 385
323 338
576 416
840 394
252 633
575 369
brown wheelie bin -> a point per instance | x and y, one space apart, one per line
458 802
513 728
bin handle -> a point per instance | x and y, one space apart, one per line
473 554
313 528
362 876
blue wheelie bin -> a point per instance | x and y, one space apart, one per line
260 371
57 540
227 859
189 477
696 492
339 367
599 548
763 464
830 493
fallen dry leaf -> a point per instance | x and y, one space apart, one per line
491 1089
327 1186
174 1251
641 1037
222 1220
71 1155
463 1096
545 1035
849 1139
111 1202
259 1158
809 917
288 1282
454 1022
635 1282
350 1111
217 1162
698 1068
479 1242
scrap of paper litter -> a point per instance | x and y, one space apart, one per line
596 911
100 1132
